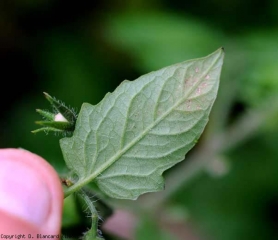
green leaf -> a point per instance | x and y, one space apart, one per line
143 128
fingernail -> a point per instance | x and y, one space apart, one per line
23 192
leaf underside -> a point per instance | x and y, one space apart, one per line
143 128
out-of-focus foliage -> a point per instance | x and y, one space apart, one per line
260 77
156 39
148 230
79 50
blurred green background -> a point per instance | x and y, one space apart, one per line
77 51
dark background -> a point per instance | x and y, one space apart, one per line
79 50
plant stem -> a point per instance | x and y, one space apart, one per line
92 234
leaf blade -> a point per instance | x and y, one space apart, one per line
143 128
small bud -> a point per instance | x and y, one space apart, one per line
59 107
61 120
